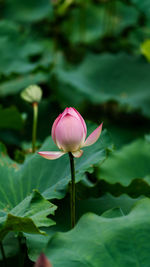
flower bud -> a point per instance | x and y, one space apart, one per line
69 133
69 130
32 93
42 261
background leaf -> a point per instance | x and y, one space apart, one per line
27 11
14 86
129 163
12 117
96 21
127 85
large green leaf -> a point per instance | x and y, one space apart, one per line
51 178
99 78
99 241
27 216
129 163
96 205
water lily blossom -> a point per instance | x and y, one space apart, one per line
69 134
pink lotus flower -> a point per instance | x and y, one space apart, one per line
42 261
69 134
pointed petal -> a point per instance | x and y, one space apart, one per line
73 112
54 126
51 154
93 137
77 154
82 120
65 112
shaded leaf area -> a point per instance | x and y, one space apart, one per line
135 189
62 217
97 241
31 41
16 84
96 21
11 245
31 56
143 6
27 216
126 133
12 117
27 11
123 126
129 163
11 39
51 178
98 79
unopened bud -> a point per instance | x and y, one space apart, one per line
32 93
42 261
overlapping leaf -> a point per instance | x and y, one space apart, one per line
27 216
100 241
96 205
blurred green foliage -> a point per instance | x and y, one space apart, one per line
93 55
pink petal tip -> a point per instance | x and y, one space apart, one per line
93 137
42 261
51 154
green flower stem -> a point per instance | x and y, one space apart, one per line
22 250
72 190
3 254
34 129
